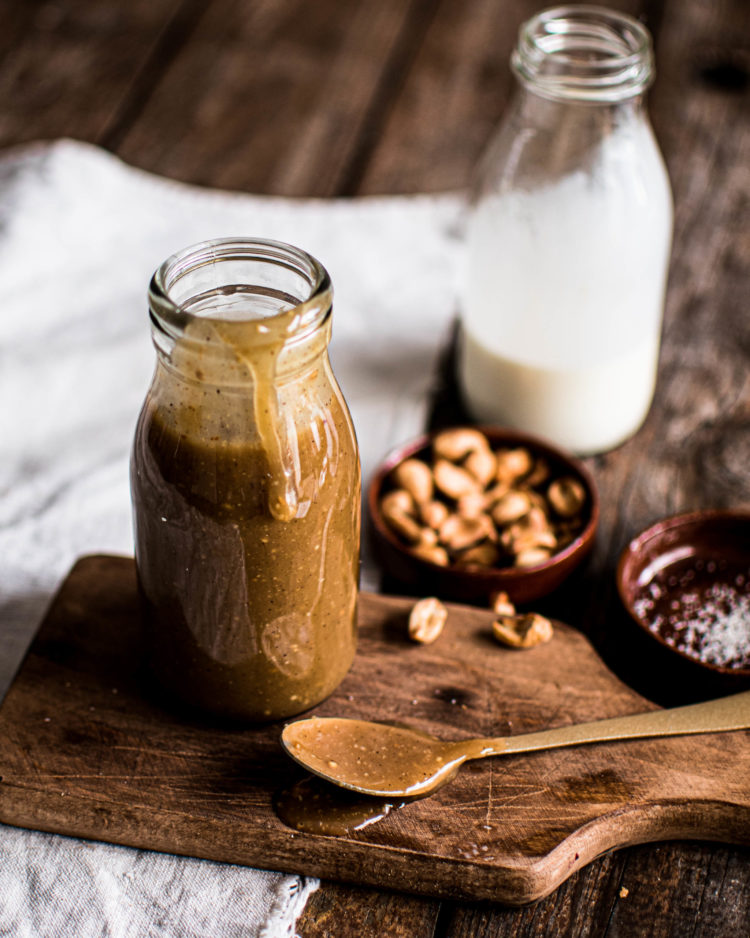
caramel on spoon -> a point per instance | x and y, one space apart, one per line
379 759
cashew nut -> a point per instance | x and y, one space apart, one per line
501 605
455 444
539 474
397 500
458 533
523 631
454 481
513 464
510 507
532 557
566 495
433 554
426 620
433 513
471 505
416 477
482 555
404 525
482 464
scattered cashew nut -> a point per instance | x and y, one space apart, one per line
501 604
426 620
524 631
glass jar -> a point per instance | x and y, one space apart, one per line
246 484
568 241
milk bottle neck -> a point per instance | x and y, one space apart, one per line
584 54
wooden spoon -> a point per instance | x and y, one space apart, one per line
380 759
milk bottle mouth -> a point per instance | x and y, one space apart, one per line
584 53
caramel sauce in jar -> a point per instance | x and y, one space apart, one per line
246 485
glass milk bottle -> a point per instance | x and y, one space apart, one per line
569 239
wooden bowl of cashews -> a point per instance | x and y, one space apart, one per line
470 511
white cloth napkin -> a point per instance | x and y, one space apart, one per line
80 235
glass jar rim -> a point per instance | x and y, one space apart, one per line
584 52
170 315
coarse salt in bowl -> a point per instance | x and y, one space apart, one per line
686 582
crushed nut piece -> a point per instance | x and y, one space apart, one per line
501 605
426 620
524 631
624 892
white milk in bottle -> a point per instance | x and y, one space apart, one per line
568 245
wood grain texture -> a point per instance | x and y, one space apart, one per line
350 912
85 751
68 68
435 82
690 454
282 94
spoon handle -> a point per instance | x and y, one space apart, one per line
727 713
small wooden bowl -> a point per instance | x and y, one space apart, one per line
679 556
478 583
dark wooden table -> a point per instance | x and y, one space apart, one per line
353 97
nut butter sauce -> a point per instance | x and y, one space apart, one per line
245 481
371 754
312 806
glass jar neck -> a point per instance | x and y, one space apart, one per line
532 111
584 54
237 311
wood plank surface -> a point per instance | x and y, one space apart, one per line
87 750
67 68
422 92
321 64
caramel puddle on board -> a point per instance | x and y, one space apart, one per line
313 806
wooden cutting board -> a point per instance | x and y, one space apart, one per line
83 751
